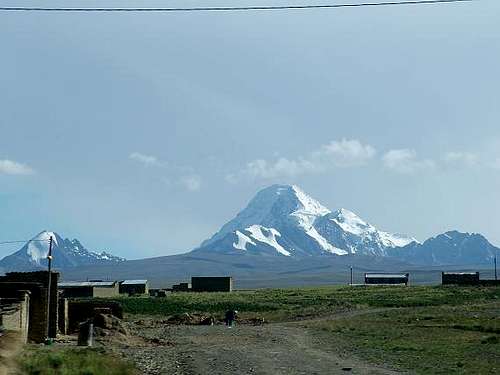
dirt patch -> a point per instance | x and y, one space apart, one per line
10 346
255 348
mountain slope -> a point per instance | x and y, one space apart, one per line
283 220
66 253
450 248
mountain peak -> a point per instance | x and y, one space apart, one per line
66 253
284 219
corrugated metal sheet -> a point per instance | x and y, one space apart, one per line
77 284
134 282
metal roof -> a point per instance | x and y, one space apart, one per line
133 282
76 284
385 275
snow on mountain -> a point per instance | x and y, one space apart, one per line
66 253
284 220
450 248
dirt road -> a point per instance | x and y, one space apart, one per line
284 348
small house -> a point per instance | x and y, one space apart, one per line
89 289
134 287
460 278
386 278
212 284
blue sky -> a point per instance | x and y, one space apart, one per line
142 134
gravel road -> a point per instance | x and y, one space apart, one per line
281 348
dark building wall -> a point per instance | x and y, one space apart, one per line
132 289
387 280
212 284
36 283
460 278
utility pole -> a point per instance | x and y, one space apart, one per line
351 275
49 285
495 260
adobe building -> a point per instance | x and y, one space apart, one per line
14 314
386 278
36 283
212 284
134 287
89 289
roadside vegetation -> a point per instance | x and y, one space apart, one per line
429 340
71 361
291 304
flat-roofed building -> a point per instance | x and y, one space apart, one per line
460 278
387 278
134 287
212 284
89 289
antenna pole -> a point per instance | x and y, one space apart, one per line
49 285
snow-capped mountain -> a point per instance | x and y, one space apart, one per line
66 253
283 220
450 248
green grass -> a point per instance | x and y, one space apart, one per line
428 340
71 361
283 304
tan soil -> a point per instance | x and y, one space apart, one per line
280 348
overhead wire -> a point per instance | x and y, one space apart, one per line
239 8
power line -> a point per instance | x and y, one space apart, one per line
22 241
227 9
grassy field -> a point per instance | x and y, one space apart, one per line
71 361
285 304
429 340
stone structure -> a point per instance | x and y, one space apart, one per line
212 284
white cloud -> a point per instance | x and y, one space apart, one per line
346 153
340 154
406 161
462 158
147 160
191 182
14 168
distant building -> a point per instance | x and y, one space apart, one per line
134 287
212 284
387 278
89 289
181 287
460 278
